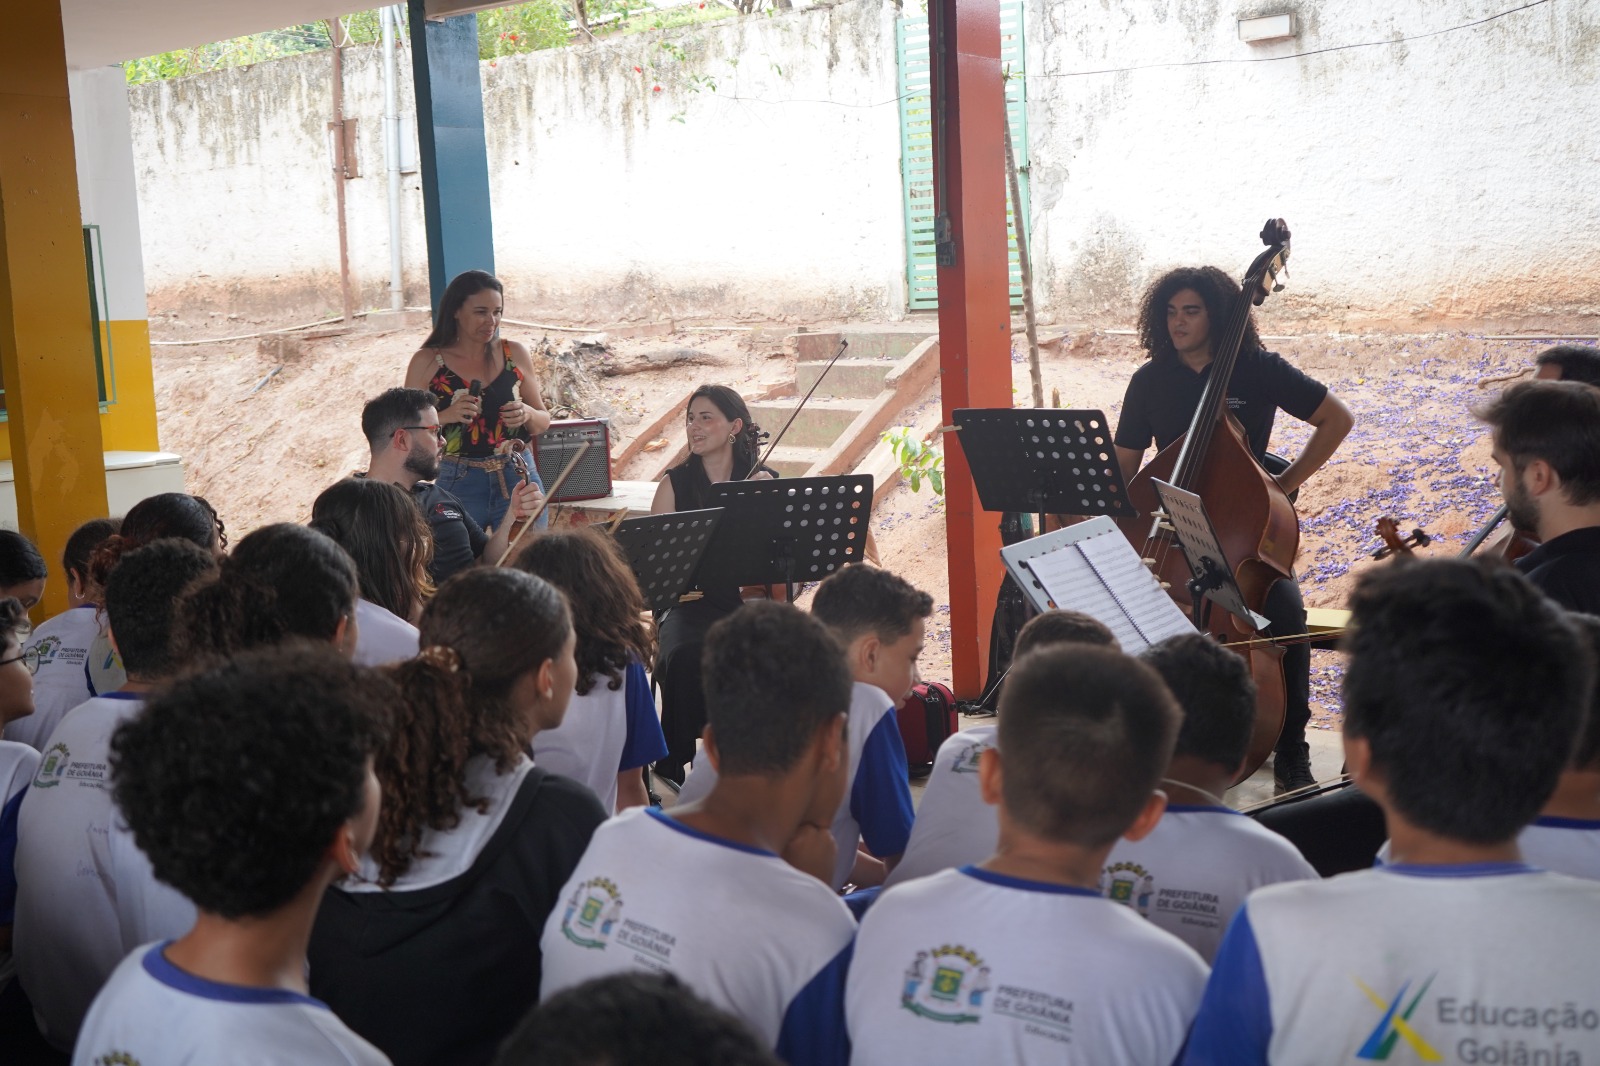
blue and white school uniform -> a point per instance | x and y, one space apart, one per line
67 939
1192 872
147 910
1568 846
61 684
970 966
877 801
152 1012
605 732
738 925
18 764
954 827
1486 963
382 637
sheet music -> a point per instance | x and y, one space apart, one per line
1090 567
1151 611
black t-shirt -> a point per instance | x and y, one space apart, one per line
439 976
1163 394
457 539
1567 569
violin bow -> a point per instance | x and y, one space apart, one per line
843 344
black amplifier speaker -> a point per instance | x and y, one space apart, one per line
553 449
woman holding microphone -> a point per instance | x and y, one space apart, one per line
486 431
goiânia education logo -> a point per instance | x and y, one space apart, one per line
1129 884
1395 1024
47 649
52 766
116 1058
946 984
592 912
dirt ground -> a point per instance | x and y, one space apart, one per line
261 448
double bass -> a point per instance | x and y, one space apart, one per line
1256 523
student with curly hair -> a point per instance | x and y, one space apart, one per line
62 642
432 952
387 538
69 927
282 582
18 762
251 788
611 731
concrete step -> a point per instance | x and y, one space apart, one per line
859 379
792 461
819 425
864 344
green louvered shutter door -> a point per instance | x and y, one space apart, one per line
916 149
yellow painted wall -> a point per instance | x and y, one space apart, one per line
129 423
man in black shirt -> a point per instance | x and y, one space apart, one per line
402 429
1547 445
1175 327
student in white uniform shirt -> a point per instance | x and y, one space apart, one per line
1020 960
283 582
1566 835
954 826
611 730
62 642
380 528
68 929
1464 692
18 762
251 788
1191 873
703 892
881 619
432 950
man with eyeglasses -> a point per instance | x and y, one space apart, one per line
402 429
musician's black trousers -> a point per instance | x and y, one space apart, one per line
1286 612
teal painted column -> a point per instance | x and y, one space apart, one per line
453 152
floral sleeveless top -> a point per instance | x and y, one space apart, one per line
478 439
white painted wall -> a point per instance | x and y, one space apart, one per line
1442 182
103 148
1445 181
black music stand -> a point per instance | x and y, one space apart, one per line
786 530
664 550
1043 461
1202 548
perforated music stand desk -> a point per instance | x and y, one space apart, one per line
1043 461
786 530
664 550
1197 537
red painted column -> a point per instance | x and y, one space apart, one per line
974 300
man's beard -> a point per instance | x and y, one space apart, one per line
1521 507
422 464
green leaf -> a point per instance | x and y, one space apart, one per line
936 479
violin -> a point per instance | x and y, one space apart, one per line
1255 521
1509 546
1396 545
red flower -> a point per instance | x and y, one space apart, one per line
514 36
638 70
656 89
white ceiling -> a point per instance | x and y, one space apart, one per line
102 32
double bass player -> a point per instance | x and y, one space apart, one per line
1177 318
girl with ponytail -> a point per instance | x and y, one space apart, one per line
432 953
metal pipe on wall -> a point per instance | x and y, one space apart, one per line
388 18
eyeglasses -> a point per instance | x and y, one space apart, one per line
29 658
437 431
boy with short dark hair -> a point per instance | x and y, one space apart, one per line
69 927
703 891
251 789
1019 959
1464 692
1203 858
629 1019
1566 835
881 619
953 825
